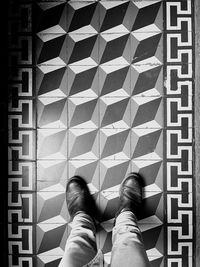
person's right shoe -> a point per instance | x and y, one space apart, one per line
78 197
130 194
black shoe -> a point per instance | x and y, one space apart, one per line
78 197
130 194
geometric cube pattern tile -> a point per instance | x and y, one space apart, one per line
107 90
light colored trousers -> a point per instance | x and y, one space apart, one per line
128 248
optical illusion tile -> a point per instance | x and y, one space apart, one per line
112 97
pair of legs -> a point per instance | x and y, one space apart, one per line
128 248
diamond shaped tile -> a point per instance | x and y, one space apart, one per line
83 81
52 144
147 80
51 81
46 233
83 143
146 109
83 112
82 17
53 51
147 47
115 112
50 173
52 113
115 143
112 172
113 14
88 44
50 204
114 48
147 9
150 169
114 80
51 18
88 169
145 141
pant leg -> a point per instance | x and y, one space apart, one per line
81 245
128 248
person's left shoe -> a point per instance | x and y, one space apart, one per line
78 197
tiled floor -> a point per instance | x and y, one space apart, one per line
107 90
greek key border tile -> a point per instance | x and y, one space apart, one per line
179 89
21 136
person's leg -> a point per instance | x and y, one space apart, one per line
81 246
128 248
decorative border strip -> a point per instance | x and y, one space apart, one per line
21 136
179 132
